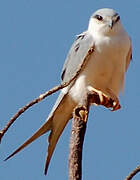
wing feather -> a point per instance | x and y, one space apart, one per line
76 55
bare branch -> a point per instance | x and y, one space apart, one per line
133 173
43 96
79 122
76 142
30 104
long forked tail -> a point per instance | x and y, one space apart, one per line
43 129
57 120
60 118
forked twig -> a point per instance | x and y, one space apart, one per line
44 95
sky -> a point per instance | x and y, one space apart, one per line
35 37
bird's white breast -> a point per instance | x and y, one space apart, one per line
105 68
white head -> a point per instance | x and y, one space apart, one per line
105 22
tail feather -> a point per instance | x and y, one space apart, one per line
60 119
53 139
57 120
44 128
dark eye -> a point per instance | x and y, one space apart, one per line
118 18
100 18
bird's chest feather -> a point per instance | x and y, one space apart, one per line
105 68
109 57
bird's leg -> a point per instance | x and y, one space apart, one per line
106 98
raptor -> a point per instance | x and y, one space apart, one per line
104 73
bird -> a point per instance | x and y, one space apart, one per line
104 73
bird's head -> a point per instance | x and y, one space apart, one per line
105 21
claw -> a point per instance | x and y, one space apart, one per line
116 106
109 100
102 97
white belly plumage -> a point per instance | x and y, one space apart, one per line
104 70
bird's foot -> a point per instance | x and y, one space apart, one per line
107 99
115 101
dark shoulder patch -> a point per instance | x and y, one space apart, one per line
77 47
63 74
131 56
80 36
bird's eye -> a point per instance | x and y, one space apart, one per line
118 18
100 18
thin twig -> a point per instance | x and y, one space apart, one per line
133 173
43 96
27 106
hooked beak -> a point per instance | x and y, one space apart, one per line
111 23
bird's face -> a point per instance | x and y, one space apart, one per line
105 22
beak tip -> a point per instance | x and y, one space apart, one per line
111 24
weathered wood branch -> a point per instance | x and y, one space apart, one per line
79 122
30 104
44 95
76 142
133 173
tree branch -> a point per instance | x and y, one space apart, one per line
76 142
133 173
30 104
43 96
80 117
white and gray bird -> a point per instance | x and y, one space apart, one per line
104 73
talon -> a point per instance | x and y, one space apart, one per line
102 97
116 106
106 101
107 98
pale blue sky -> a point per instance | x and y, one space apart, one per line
35 36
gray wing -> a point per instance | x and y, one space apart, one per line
76 55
